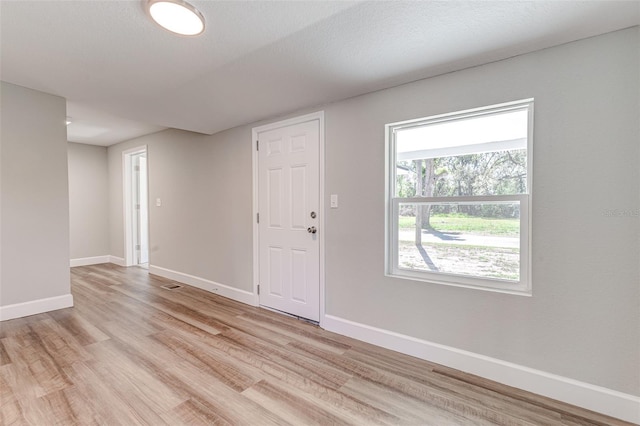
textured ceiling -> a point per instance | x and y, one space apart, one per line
123 76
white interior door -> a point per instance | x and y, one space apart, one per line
288 202
143 224
135 191
140 208
135 201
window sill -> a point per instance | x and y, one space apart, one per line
516 289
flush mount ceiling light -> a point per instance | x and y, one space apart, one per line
176 16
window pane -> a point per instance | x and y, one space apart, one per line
489 173
485 154
473 239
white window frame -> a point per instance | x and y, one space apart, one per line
522 287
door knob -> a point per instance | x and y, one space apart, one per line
312 230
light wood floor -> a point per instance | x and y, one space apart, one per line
130 353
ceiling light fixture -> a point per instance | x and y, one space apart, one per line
176 16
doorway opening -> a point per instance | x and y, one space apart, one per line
136 207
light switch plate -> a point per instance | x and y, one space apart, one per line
334 201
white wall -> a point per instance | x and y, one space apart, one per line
583 321
35 203
88 201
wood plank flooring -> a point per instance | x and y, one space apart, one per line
133 353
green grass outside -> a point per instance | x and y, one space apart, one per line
467 224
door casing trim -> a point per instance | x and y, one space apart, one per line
319 115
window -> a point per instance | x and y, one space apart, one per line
458 198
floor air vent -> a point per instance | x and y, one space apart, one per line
171 286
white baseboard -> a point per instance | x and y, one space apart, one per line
84 261
204 284
34 307
595 398
117 261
